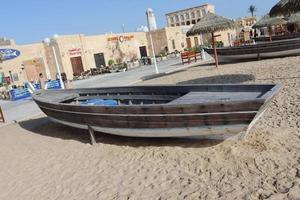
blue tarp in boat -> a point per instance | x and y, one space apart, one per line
99 102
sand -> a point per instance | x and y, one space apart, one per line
43 160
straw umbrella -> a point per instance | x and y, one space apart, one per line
211 23
285 7
268 21
294 19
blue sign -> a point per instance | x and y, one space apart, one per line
9 54
36 86
54 84
17 94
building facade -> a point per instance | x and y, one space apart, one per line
246 21
172 39
74 55
190 16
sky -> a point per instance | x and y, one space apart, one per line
29 21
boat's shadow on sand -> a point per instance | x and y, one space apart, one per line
45 127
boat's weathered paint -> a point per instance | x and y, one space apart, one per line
205 111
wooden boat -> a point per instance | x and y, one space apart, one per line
205 111
272 49
277 37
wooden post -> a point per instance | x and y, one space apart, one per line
92 135
1 116
215 50
270 33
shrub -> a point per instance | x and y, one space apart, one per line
111 62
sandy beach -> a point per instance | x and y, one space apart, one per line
43 160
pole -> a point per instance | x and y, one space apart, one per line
57 68
153 52
215 50
270 33
45 65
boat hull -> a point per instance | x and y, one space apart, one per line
274 49
222 132
205 115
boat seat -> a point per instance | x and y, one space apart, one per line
205 97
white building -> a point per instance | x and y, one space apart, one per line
189 16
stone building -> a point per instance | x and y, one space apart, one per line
75 54
189 16
246 21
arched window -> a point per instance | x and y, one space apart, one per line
177 18
198 13
182 17
187 15
193 15
172 19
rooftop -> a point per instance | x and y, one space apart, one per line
186 9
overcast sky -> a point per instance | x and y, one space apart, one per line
29 21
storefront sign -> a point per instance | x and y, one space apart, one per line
74 51
120 38
10 54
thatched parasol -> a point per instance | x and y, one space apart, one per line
211 23
294 18
285 7
268 21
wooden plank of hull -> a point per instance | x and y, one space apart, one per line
201 132
153 121
161 109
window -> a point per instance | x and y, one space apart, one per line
15 77
203 13
182 23
187 15
188 23
196 41
193 21
182 44
172 20
181 17
177 18
198 13
173 44
193 15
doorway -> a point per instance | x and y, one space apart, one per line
188 43
77 65
99 60
196 40
143 51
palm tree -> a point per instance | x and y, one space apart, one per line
252 9
1 57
